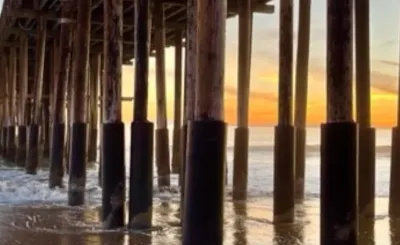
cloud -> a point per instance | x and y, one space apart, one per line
388 62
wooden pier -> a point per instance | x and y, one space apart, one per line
60 58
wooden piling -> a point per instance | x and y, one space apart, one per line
162 136
189 92
203 210
284 131
176 143
48 78
62 75
339 134
20 157
241 147
93 106
366 134
77 161
12 90
303 53
113 148
142 131
32 154
6 98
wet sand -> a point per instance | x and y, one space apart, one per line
44 224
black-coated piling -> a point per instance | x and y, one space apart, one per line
205 170
78 143
302 60
241 147
113 147
284 131
62 70
338 219
32 153
12 94
142 131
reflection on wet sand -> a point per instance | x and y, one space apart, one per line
288 234
239 226
366 231
394 231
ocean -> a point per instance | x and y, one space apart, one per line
31 213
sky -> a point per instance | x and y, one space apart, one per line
384 45
384 21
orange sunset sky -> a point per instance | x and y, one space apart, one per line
264 72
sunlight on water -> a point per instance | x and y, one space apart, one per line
31 213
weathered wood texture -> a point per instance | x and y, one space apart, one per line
39 69
285 63
303 47
81 61
12 87
112 60
244 59
63 64
339 62
190 61
211 60
159 39
23 79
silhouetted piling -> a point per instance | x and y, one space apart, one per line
339 134
366 134
78 143
62 70
205 170
32 153
113 148
20 155
241 150
176 143
142 131
303 47
284 131
93 107
162 137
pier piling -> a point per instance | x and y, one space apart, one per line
113 147
78 142
162 136
339 134
189 92
284 131
20 155
32 154
366 134
142 131
241 148
303 47
62 71
12 90
176 143
205 170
